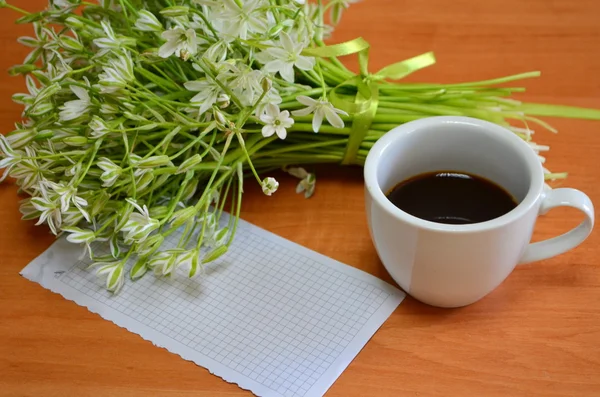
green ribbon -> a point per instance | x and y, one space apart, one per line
361 122
364 107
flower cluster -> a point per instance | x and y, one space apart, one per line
143 117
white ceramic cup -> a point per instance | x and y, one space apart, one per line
455 265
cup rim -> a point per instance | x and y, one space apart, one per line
536 187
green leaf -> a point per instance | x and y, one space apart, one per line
539 109
175 11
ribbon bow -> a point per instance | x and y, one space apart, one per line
364 107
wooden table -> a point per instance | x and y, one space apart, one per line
537 334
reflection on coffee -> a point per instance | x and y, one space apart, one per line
452 197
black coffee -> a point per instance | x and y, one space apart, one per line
451 197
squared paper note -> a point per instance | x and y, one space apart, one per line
274 317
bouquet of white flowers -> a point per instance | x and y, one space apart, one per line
146 116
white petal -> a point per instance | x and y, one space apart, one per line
287 42
276 53
268 130
287 72
81 93
265 118
305 63
287 123
339 111
317 120
274 66
196 85
281 132
305 100
303 112
272 110
207 104
172 34
167 49
333 118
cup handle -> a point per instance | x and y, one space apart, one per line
562 197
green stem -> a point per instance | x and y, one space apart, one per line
14 8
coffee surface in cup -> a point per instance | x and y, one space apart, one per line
452 197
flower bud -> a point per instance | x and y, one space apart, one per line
21 69
147 22
223 101
269 186
75 140
153 162
159 211
69 43
180 217
175 11
189 163
74 23
266 84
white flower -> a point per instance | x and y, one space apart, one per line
269 186
163 263
216 53
115 275
8 157
109 43
64 3
307 183
150 245
117 74
272 97
139 225
187 261
217 238
183 215
276 122
147 22
73 109
236 21
28 210
28 172
80 236
49 212
180 42
19 138
244 81
111 171
208 93
321 109
284 57
99 127
209 222
68 196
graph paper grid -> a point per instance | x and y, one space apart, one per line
270 315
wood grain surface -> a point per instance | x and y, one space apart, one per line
538 334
